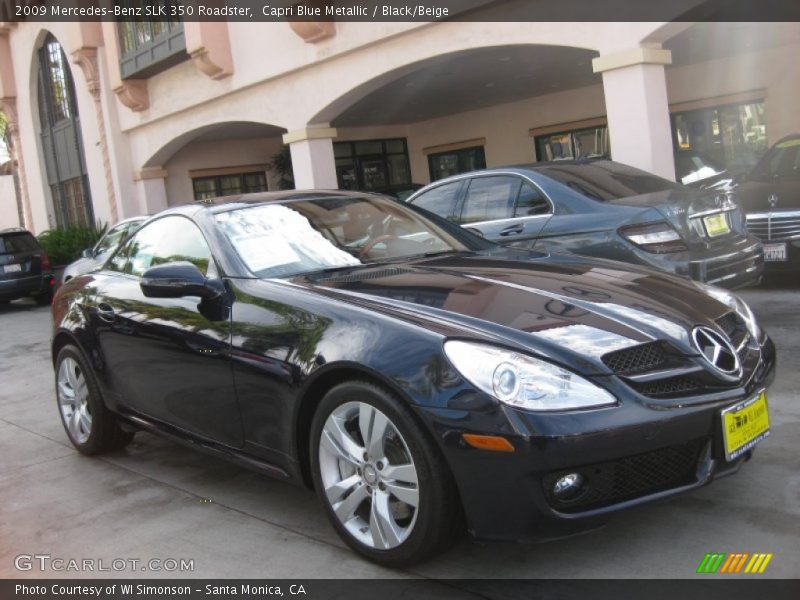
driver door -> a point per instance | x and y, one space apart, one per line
167 358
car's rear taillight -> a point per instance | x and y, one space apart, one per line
659 237
46 265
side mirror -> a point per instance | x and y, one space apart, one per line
88 253
177 280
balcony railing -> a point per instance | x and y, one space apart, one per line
149 47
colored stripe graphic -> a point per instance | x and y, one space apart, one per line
758 564
733 563
711 562
741 562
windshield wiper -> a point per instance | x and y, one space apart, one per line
326 270
443 252
408 257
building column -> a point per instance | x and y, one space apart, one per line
86 58
637 108
9 107
313 163
151 190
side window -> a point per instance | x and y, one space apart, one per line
170 239
531 202
490 198
111 239
120 259
440 200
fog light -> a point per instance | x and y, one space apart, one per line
568 486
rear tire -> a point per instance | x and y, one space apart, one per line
384 485
90 426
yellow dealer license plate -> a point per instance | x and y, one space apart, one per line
744 425
716 224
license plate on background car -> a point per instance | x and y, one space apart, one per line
716 224
744 425
12 268
775 252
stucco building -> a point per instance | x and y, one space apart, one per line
111 120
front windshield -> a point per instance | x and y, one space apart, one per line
305 236
781 162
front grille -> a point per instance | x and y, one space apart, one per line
670 387
734 327
774 227
628 478
728 323
638 359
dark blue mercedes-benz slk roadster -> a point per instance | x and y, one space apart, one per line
421 379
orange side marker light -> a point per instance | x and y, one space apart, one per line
493 443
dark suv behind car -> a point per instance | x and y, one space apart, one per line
25 269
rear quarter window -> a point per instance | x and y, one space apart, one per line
11 243
605 180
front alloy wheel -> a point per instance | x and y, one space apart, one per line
73 400
368 475
385 486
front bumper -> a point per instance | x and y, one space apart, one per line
636 452
20 287
792 262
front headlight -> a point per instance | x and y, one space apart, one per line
735 303
523 381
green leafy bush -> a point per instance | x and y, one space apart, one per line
65 244
281 163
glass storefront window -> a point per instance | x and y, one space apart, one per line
371 164
227 185
582 143
733 136
445 164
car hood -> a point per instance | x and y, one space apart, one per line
565 307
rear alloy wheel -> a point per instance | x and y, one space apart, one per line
90 426
387 492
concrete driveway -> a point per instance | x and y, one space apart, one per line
159 500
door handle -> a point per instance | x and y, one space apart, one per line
512 230
106 313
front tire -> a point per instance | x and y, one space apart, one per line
90 426
385 487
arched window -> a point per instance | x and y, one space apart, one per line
62 143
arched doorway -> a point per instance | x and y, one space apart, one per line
461 111
62 143
213 160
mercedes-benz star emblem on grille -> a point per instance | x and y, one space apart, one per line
717 350
773 200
